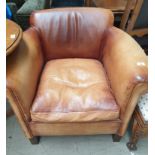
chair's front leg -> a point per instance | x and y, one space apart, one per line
35 140
116 138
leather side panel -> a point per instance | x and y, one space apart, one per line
90 128
24 66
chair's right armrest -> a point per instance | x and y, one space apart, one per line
24 66
126 65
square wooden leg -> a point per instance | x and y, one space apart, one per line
116 138
34 140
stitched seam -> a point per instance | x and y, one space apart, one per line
102 45
115 110
130 97
18 103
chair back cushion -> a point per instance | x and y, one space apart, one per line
72 32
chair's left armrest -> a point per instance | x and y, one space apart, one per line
126 65
23 71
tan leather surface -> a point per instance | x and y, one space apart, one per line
21 116
23 69
72 32
74 128
126 65
74 90
138 90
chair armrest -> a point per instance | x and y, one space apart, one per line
24 66
126 65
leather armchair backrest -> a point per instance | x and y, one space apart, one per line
72 32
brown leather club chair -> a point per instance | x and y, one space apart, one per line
74 73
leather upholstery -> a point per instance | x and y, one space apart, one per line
70 32
66 93
126 65
23 70
43 55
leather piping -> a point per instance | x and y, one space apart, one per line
129 102
18 103
47 113
132 92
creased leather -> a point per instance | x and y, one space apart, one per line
76 33
72 32
126 65
74 90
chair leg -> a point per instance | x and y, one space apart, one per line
35 140
116 138
136 133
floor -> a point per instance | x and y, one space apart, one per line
17 144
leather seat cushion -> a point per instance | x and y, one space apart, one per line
74 90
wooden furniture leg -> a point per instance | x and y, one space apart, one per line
88 3
134 16
116 138
139 122
136 132
126 14
34 140
9 113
